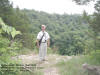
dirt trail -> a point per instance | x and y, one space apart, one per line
49 67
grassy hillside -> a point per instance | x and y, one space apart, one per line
74 66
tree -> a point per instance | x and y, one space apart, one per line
82 2
93 21
8 29
5 10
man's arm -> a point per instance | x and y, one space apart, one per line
48 42
37 43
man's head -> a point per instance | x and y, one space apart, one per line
43 27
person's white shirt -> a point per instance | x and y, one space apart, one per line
45 37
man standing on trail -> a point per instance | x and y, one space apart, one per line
43 40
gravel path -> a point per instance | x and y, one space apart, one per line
49 67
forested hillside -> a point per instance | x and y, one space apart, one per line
69 33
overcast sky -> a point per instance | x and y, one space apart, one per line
54 6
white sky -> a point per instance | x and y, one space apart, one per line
54 6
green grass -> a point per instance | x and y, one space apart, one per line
74 65
35 72
50 51
71 67
25 51
38 72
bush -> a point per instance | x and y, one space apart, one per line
95 56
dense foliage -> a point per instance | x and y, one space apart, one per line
70 34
